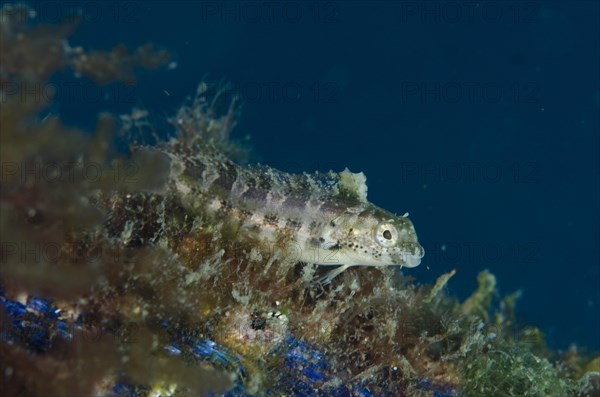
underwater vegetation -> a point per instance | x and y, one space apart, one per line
113 283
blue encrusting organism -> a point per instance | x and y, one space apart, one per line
34 325
306 372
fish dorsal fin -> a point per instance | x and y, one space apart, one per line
353 185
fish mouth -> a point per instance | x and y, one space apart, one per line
412 261
410 255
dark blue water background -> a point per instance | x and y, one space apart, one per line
480 119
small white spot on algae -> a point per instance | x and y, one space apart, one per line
127 232
192 278
308 272
255 255
182 188
243 299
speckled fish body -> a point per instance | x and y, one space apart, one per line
325 216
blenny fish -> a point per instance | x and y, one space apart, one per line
325 217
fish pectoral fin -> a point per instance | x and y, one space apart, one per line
327 278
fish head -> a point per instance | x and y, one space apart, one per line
372 236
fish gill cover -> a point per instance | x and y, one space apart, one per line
116 281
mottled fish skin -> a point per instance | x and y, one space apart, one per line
325 215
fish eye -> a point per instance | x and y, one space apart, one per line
386 234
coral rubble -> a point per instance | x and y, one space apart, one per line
112 286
